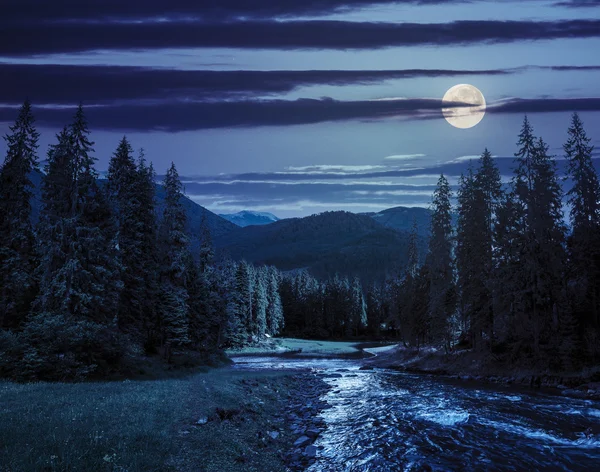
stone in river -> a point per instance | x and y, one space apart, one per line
310 451
302 441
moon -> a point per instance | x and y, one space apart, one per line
464 116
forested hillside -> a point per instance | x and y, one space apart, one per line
98 274
324 244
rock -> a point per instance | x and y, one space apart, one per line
202 420
310 451
273 434
312 432
302 441
366 367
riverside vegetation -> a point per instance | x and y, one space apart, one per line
104 284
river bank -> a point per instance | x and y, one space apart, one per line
221 420
472 366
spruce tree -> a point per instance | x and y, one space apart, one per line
79 270
123 186
584 242
259 304
174 245
440 262
17 245
275 320
145 189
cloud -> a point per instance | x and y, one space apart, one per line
404 157
333 168
99 84
186 116
578 3
545 105
95 10
47 38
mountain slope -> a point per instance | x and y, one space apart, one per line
247 218
325 244
401 219
218 226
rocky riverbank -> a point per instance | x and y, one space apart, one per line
303 421
474 367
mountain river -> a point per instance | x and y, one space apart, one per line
382 420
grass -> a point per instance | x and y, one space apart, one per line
145 425
307 348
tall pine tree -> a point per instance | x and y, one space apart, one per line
17 254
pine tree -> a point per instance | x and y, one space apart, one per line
358 313
122 183
478 199
259 304
17 254
584 242
174 245
79 270
147 230
275 319
440 262
374 310
413 251
207 252
240 306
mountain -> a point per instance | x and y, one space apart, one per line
249 218
325 244
195 213
401 219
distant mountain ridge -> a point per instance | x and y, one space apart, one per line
325 244
248 218
195 213
402 218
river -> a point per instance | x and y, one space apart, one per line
382 420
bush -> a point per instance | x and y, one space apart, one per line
53 347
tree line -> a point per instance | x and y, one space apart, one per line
512 278
104 275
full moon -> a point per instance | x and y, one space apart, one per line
464 116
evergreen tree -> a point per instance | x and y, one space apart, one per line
17 254
259 304
584 242
357 313
148 264
375 314
207 252
79 270
275 319
174 245
440 261
123 185
240 306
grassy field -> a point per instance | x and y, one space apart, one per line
306 347
146 425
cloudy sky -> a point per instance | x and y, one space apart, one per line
297 106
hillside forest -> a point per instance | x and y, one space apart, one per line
104 275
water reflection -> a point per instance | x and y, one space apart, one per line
381 420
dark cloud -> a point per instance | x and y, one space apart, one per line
186 116
205 115
578 3
18 40
546 105
97 84
94 10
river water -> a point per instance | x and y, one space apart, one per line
383 420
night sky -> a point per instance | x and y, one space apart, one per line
301 106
